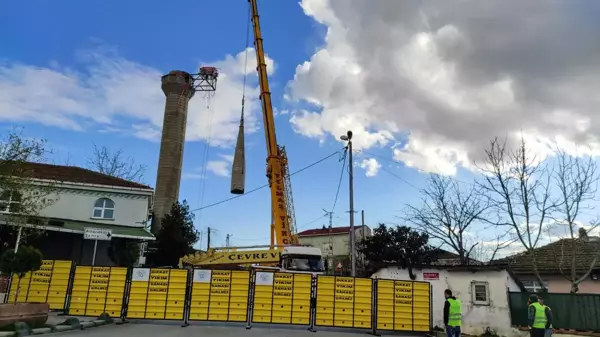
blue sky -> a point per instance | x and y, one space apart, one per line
167 38
423 91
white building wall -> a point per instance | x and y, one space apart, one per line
476 318
74 202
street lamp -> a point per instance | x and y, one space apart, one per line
348 138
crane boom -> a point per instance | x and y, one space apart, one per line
281 233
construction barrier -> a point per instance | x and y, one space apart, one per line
97 290
228 296
49 285
219 295
344 302
282 298
157 293
403 305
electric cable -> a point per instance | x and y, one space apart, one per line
265 185
337 193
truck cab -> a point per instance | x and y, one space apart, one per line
301 259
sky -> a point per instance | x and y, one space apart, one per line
423 86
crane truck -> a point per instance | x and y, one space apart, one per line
284 252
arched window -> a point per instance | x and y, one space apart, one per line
104 208
10 201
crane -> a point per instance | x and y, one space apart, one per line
284 248
282 231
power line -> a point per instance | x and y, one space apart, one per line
265 185
337 193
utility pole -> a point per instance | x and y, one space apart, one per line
330 253
362 257
227 243
348 137
208 239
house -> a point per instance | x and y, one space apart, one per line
81 199
554 265
334 242
481 289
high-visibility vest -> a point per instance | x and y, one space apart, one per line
454 315
539 321
545 306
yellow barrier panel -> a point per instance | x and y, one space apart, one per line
421 306
98 290
403 306
47 285
282 298
157 293
219 295
344 302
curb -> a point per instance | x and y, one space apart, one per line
68 325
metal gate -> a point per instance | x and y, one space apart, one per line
49 285
97 290
219 295
282 298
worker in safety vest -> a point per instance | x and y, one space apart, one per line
539 317
549 317
452 314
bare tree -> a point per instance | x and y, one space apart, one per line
116 164
21 197
519 191
576 179
451 213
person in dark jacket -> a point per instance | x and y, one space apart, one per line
538 316
452 314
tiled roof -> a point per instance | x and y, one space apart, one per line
75 174
554 257
325 231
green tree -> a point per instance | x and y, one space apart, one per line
21 199
400 245
123 252
26 259
177 236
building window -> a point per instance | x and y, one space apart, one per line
10 202
534 286
480 294
104 208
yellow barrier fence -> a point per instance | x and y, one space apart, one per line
98 290
282 298
344 302
49 285
403 305
219 295
157 293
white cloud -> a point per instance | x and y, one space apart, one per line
114 94
371 167
450 76
219 167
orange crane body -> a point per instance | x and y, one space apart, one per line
281 230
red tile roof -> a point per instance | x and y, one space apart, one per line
75 174
325 231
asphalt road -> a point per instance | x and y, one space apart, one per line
147 330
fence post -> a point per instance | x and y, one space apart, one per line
126 295
374 304
250 303
188 297
69 290
313 303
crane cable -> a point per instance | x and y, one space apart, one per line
245 64
265 185
200 203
